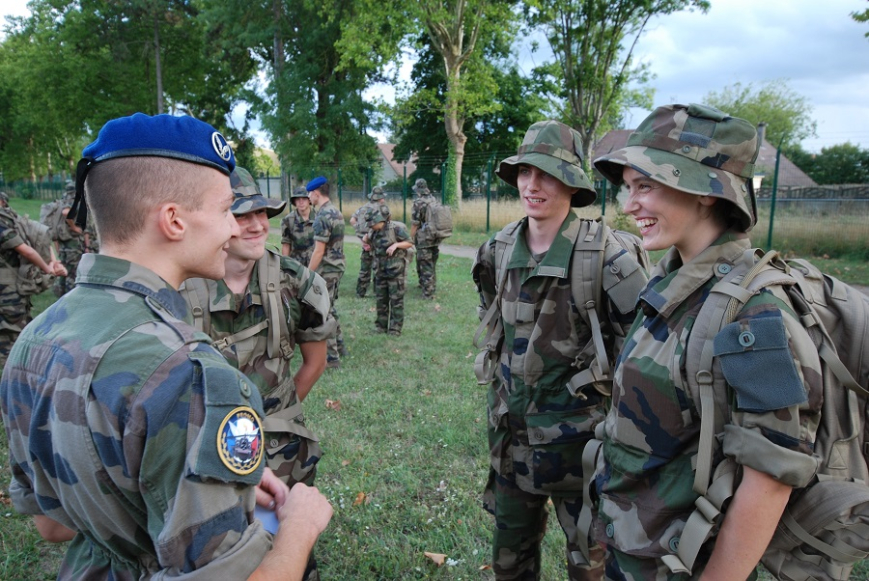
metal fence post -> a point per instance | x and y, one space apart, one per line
443 182
340 192
774 193
404 193
488 191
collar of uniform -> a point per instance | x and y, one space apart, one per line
672 282
556 261
98 269
221 297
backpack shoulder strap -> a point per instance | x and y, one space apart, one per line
269 271
195 291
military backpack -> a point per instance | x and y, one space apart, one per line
51 214
622 280
824 530
438 221
28 278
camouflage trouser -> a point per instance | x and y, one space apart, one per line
623 567
520 524
14 315
302 256
366 270
390 302
426 269
334 344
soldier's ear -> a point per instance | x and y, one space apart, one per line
170 221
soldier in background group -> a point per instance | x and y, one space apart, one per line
389 242
297 228
328 258
71 243
427 250
359 221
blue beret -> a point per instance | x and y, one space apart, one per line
183 138
315 183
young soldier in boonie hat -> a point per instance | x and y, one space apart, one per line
556 149
249 198
687 171
538 361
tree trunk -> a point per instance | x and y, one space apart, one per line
158 67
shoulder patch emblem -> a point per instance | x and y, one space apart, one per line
240 440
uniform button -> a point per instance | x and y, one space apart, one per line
273 443
677 172
610 530
245 389
674 545
686 148
712 174
746 338
317 290
723 268
538 435
614 268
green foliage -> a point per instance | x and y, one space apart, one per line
844 163
593 43
787 114
861 16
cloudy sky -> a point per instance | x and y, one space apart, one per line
814 45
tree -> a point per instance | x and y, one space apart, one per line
454 28
861 16
844 163
593 43
786 113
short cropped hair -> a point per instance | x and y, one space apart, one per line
121 192
324 189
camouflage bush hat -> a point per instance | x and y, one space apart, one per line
555 148
375 216
376 194
299 192
694 149
420 187
4 197
248 197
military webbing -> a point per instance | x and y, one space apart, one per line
723 304
285 421
269 273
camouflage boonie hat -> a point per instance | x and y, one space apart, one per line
299 192
4 196
376 194
694 149
69 186
375 216
420 187
248 197
555 148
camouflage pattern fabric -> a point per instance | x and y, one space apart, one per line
299 234
418 215
14 308
329 229
427 251
335 342
390 280
695 149
537 430
645 476
69 252
292 454
113 406
366 267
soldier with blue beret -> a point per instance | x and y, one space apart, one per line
687 171
129 434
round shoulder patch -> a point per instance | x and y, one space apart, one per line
240 440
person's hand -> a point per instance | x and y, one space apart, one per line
57 268
391 250
306 506
366 247
271 492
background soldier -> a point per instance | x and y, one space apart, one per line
71 243
427 249
297 228
359 221
542 410
129 434
15 307
389 242
328 258
258 332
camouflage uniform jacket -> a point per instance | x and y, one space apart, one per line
653 428
537 429
114 407
305 302
10 238
361 226
418 215
299 234
395 265
329 229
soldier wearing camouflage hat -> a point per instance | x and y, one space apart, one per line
263 308
297 228
389 241
687 171
542 402
71 240
129 434
427 247
360 224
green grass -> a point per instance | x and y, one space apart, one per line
407 440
